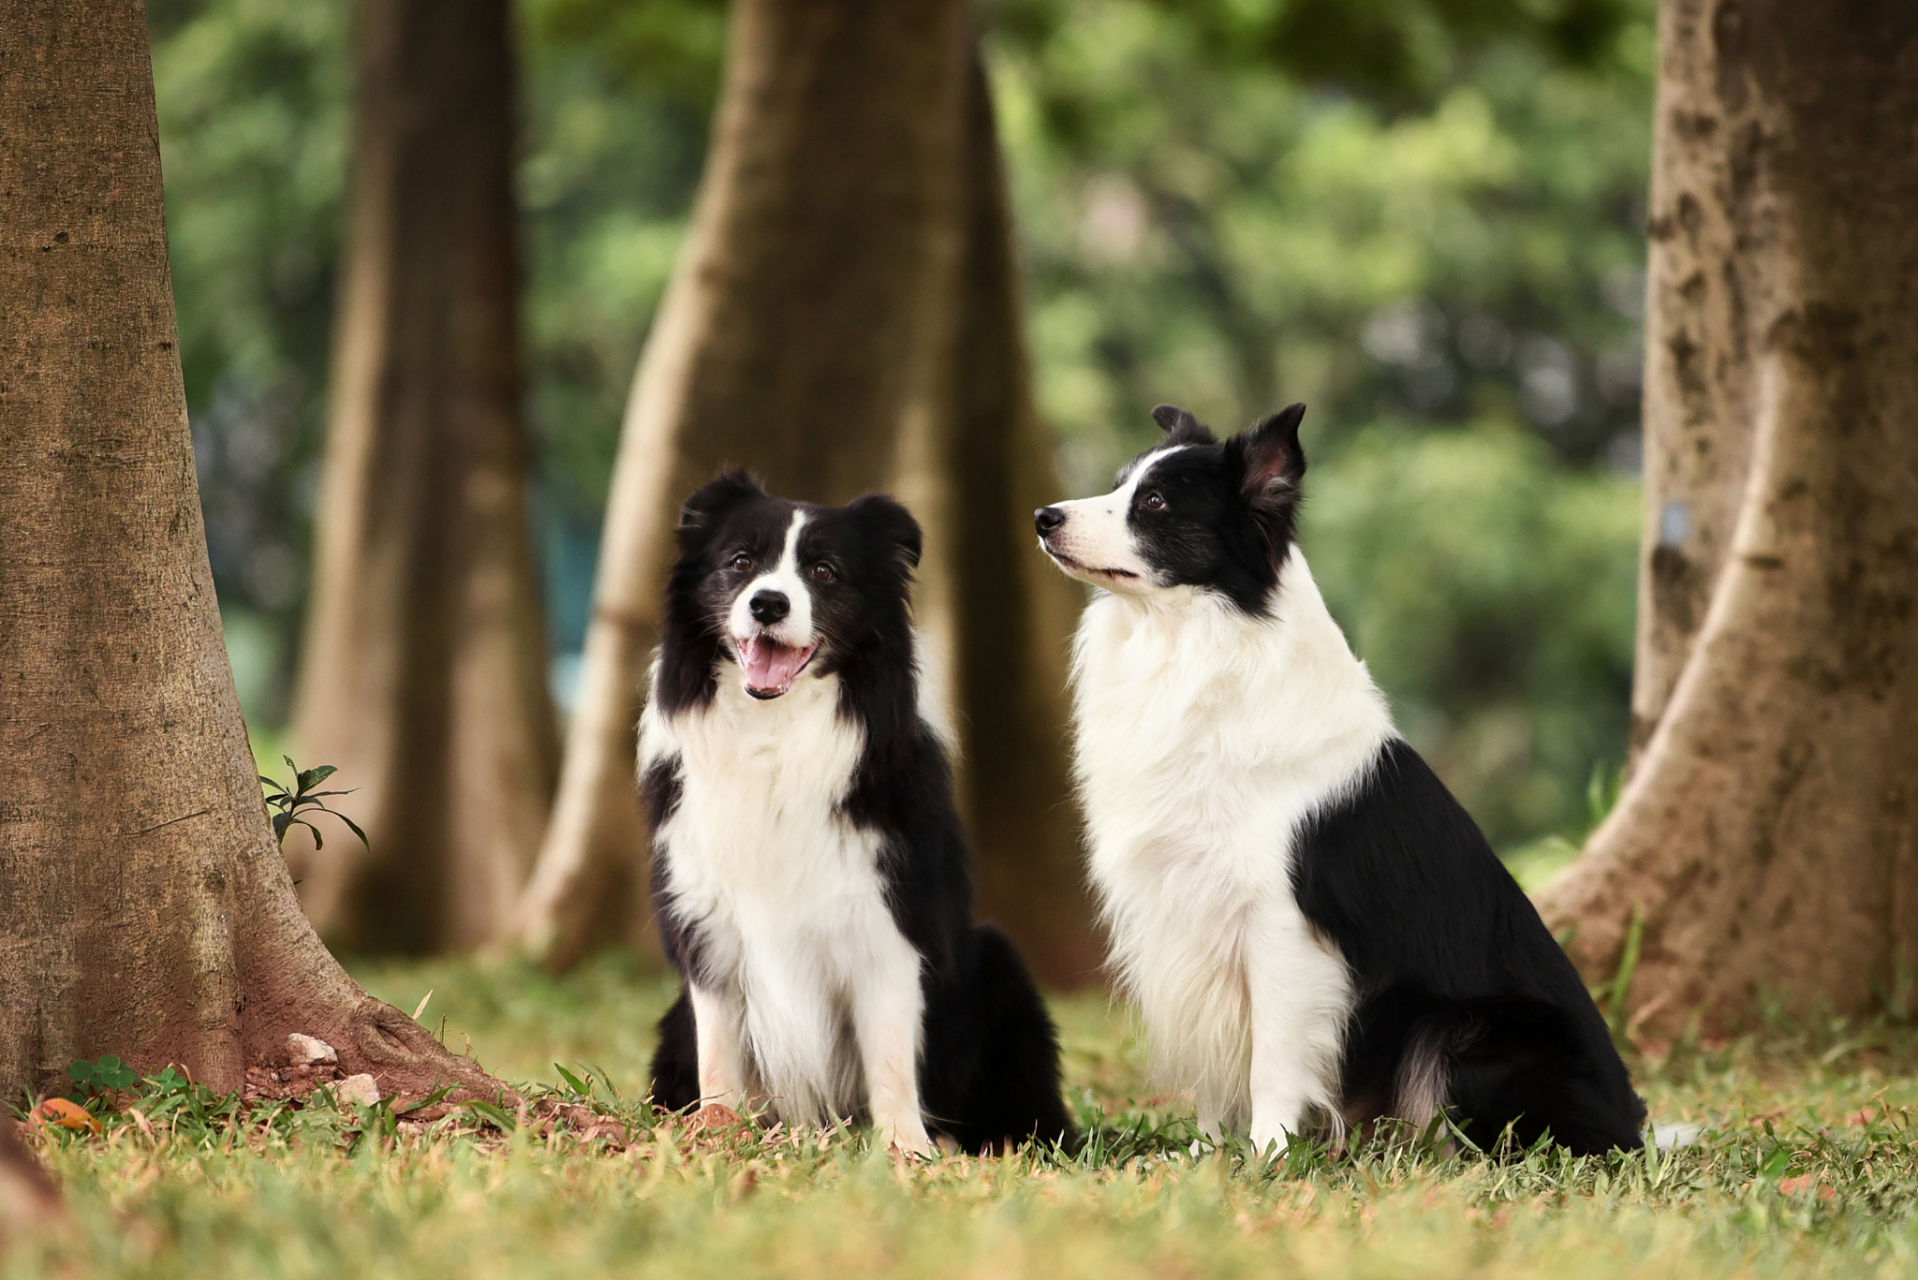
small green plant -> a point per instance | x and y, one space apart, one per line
1602 790
288 803
105 1075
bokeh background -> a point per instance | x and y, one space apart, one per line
1423 217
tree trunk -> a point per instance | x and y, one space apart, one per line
1013 613
844 317
1770 832
144 908
424 674
1707 276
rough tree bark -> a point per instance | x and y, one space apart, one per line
844 317
144 907
424 671
1708 274
1770 831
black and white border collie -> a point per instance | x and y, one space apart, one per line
809 870
1317 935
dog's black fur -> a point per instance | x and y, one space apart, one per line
989 1061
1450 958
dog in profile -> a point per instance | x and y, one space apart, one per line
1317 935
809 870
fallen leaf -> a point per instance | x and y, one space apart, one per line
68 1115
1804 1182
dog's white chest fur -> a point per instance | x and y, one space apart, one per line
1203 738
787 892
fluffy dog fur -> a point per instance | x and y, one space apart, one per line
1316 933
809 870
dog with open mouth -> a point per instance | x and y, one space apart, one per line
1317 934
810 873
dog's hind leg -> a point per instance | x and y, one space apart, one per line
1527 1069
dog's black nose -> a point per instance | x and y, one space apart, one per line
769 607
1048 519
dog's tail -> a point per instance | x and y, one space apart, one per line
1422 1088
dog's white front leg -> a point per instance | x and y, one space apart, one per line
1211 1099
1301 997
888 1009
722 1066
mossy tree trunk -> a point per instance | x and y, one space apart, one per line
424 671
1769 832
145 909
844 317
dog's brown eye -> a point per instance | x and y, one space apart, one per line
822 572
742 562
1153 502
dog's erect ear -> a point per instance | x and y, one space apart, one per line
713 500
890 523
1272 459
1181 427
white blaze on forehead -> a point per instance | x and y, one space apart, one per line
1133 478
784 577
1095 533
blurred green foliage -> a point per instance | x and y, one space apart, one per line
253 126
254 132
1217 231
1490 592
1423 217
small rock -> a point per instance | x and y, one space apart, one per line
360 1090
307 1049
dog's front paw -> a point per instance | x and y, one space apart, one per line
908 1140
1269 1146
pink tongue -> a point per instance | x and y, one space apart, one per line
770 665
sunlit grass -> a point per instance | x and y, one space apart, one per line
1808 1165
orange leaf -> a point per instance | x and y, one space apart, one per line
68 1115
1805 1182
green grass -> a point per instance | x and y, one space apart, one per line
1808 1166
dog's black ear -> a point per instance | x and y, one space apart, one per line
888 523
1181 427
1272 461
713 500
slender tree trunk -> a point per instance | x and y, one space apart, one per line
843 317
1709 274
424 674
144 908
1769 835
1012 612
